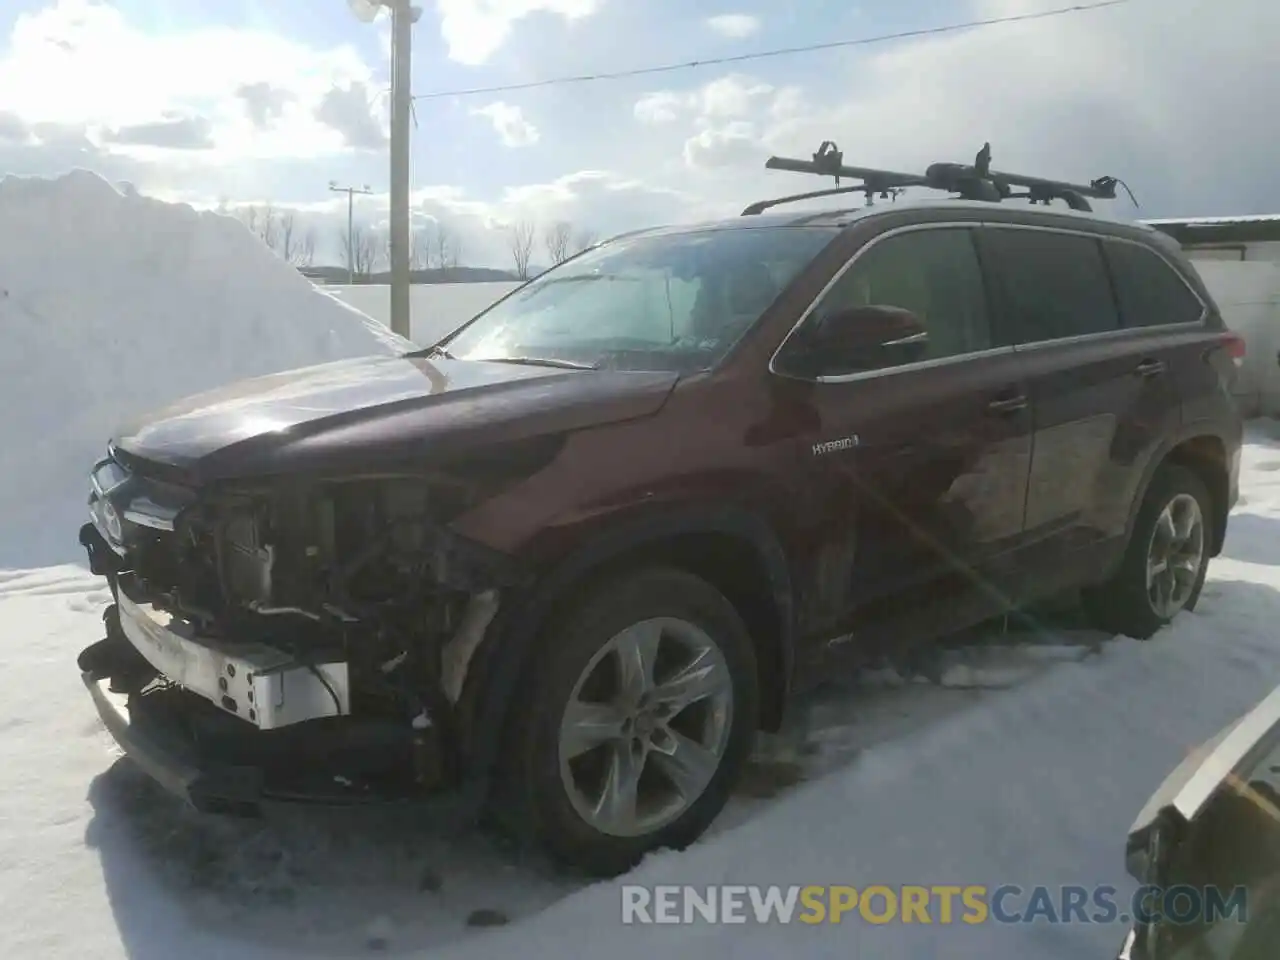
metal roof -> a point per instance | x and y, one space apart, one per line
1254 228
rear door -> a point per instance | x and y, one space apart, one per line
1102 398
1154 296
921 463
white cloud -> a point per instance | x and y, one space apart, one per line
664 106
81 65
733 144
1091 97
509 122
733 95
474 30
734 25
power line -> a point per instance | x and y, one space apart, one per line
765 54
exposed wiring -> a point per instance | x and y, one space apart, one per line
768 54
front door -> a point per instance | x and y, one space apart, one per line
920 457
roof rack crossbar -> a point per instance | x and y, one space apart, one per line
976 181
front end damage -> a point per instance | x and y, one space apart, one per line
291 640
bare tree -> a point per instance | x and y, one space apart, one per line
347 246
269 227
455 251
376 250
557 240
446 244
265 223
364 252
307 247
584 239
420 249
288 240
521 239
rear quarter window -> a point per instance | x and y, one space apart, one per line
1150 292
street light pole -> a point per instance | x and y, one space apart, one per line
351 232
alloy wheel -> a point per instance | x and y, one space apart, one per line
1174 555
646 726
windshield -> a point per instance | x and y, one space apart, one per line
674 302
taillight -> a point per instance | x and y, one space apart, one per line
1235 347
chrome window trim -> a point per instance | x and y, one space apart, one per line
992 351
1111 238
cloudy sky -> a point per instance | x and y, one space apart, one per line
252 100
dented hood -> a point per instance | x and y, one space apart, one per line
370 413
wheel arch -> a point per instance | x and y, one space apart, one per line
733 549
1204 452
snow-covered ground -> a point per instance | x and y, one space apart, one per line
1021 761
1017 759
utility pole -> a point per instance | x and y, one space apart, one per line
403 17
351 229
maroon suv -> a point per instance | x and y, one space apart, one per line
574 556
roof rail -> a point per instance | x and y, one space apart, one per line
971 182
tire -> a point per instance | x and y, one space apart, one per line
546 799
1124 604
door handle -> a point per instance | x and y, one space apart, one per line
1008 404
1150 368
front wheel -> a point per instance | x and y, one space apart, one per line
1166 559
639 716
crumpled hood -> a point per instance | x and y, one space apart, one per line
357 415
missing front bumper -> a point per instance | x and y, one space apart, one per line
257 683
219 764
173 764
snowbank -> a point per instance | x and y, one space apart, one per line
112 304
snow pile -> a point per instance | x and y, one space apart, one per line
113 304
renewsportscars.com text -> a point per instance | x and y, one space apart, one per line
935 904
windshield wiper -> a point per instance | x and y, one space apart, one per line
543 362
586 278
438 353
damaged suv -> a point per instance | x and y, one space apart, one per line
568 561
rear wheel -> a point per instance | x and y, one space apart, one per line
638 717
1165 562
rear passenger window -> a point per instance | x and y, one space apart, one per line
1149 290
1055 284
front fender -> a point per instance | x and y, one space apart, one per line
502 659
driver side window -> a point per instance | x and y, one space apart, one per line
930 275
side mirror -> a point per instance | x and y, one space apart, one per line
866 338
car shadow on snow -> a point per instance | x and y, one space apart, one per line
399 880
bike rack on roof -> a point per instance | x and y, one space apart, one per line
970 182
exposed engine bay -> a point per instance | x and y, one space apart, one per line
298 601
